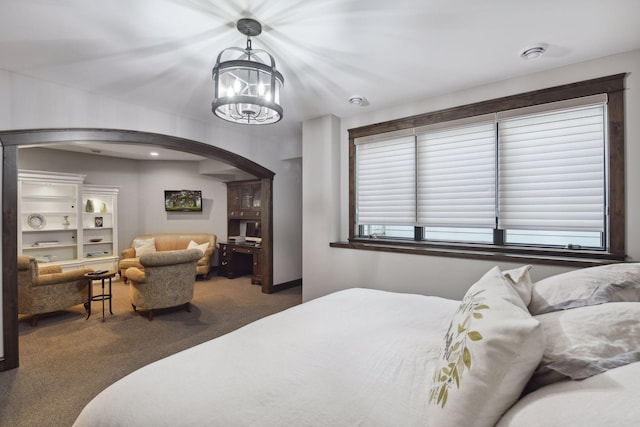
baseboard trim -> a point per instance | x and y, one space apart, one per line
286 285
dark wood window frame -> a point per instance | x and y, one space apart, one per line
612 85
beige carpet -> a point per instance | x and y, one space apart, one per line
66 360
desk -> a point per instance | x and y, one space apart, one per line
100 297
239 259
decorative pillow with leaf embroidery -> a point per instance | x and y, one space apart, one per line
489 353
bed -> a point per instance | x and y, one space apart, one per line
363 357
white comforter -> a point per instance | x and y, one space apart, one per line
354 358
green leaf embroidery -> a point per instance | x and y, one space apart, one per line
475 336
466 357
456 355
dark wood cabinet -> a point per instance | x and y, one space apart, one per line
240 260
244 218
244 200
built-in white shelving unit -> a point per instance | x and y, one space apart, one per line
58 226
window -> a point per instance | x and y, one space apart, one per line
541 171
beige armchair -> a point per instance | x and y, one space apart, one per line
47 289
166 281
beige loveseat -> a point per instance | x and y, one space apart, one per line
168 242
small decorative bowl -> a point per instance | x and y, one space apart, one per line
95 240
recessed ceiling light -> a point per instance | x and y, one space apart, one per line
532 53
154 154
358 100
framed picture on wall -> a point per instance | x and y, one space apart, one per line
98 221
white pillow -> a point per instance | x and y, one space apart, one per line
587 286
521 282
489 352
586 341
203 247
144 246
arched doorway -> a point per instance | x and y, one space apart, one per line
11 141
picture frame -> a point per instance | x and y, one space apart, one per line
98 221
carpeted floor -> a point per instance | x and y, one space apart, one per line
66 360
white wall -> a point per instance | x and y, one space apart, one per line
328 269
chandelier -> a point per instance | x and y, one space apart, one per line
246 83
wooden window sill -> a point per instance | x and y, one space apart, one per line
487 252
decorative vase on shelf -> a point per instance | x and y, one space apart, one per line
89 206
66 222
103 207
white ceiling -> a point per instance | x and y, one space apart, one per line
159 53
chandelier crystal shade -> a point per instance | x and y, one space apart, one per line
246 83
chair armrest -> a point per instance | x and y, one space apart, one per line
128 253
48 269
135 275
55 278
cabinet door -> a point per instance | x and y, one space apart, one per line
256 192
256 200
246 197
233 201
251 200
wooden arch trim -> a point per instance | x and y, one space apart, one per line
12 140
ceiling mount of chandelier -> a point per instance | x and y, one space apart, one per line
246 83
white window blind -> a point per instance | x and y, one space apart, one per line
456 177
552 170
385 182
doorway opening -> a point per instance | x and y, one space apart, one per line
11 141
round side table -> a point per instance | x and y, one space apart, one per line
104 296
